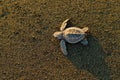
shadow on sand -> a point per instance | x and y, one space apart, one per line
90 58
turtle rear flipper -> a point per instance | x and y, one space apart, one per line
85 29
84 42
63 47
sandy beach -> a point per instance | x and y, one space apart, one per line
28 50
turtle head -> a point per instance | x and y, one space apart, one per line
58 35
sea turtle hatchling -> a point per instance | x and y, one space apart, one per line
70 35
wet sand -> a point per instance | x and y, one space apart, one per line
28 51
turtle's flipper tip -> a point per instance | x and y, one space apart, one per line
67 20
65 53
85 29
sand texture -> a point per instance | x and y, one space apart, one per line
28 50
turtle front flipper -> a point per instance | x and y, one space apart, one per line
84 42
63 47
64 24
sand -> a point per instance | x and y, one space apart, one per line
28 51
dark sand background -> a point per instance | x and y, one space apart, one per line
28 51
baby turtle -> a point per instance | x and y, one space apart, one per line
70 35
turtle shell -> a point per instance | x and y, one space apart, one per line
73 34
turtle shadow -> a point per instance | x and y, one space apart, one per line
90 58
